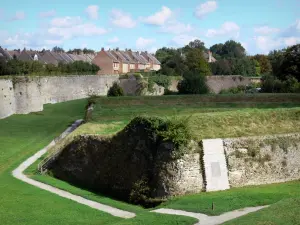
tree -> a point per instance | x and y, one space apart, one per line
276 59
195 44
58 49
195 61
193 83
221 67
264 64
230 49
290 66
115 90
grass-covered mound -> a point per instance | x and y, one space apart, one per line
130 165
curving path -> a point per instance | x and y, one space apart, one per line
203 219
211 220
18 173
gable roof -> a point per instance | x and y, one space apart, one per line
152 58
14 53
66 57
119 55
128 57
48 58
110 55
5 54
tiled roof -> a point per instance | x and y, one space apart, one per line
112 56
12 53
152 57
120 56
66 57
140 58
128 57
48 58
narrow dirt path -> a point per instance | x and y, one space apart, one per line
211 220
18 173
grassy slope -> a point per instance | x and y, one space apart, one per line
235 198
20 137
285 212
119 112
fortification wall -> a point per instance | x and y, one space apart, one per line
22 95
219 83
263 160
7 98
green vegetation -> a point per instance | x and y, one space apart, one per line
285 212
115 90
193 83
236 198
211 116
23 135
17 67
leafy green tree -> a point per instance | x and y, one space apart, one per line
58 49
290 66
221 67
195 61
276 60
115 90
231 49
264 64
193 83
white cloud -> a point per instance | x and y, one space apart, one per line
291 41
122 19
47 14
206 8
266 44
159 18
66 21
182 40
265 30
153 49
84 29
20 15
53 42
230 29
113 40
176 27
142 43
92 11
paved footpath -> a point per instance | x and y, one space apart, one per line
203 219
18 173
211 220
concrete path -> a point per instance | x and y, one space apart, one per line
18 173
211 220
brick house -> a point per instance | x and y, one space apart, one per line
107 62
154 63
124 62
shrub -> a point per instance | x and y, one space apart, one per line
193 83
115 90
271 84
161 80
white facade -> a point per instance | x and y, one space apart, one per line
156 67
125 68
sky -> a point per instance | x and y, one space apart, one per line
260 25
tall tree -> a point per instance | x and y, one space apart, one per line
231 49
290 66
58 49
264 64
195 61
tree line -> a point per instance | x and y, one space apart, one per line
17 67
280 69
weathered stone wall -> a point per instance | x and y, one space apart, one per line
263 160
219 83
22 95
7 98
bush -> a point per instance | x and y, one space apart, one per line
193 83
115 90
161 80
271 84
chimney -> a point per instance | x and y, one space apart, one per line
209 56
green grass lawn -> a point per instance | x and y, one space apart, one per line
23 135
285 212
20 203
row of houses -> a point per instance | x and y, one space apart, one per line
45 57
110 61
122 62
